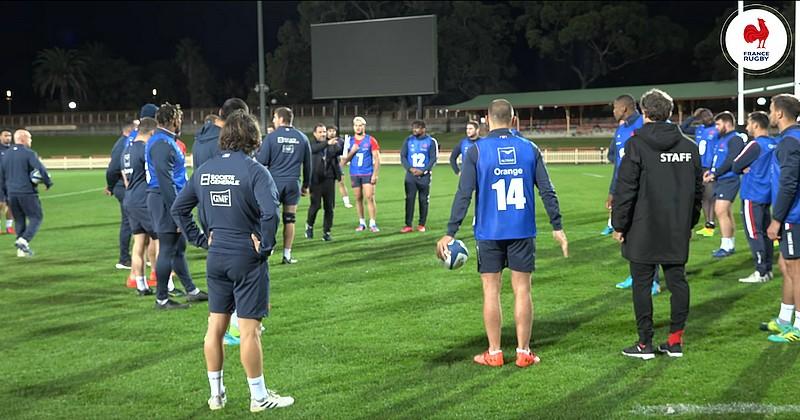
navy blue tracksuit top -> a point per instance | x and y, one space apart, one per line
18 162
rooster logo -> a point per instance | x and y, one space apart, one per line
751 33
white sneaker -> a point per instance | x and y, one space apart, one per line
21 253
217 402
273 400
755 278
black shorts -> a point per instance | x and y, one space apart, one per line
356 181
238 282
140 220
288 192
338 172
790 249
159 214
726 189
516 254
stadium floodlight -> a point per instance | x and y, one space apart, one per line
72 105
761 101
155 92
8 94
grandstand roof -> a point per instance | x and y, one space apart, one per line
603 96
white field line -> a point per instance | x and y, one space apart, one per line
593 175
69 194
729 408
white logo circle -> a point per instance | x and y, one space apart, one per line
759 39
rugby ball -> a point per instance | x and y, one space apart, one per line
458 255
36 177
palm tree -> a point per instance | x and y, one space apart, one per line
61 70
197 74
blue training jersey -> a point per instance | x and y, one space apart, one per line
465 144
706 138
504 204
756 183
621 136
721 152
791 134
361 164
421 152
178 169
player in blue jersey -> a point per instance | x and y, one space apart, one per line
754 162
365 161
706 136
726 182
5 210
785 224
472 131
237 203
134 174
502 170
115 187
166 177
283 152
19 162
418 156
629 120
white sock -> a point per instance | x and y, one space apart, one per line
287 253
785 314
170 284
526 351
215 383
797 320
372 222
9 224
495 352
141 283
726 244
258 391
609 221
361 221
346 200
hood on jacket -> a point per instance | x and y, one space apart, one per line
660 135
208 133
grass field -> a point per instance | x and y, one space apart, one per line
48 146
371 326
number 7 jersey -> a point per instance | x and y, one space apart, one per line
361 164
502 169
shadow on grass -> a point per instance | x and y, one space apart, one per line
755 380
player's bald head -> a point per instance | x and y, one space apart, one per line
22 136
500 113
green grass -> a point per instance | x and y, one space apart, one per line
371 326
93 145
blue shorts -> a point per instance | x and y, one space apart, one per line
726 189
516 254
159 214
238 282
790 233
140 220
288 192
356 181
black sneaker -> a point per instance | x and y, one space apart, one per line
675 350
171 304
199 297
145 292
176 293
309 232
288 261
640 351
327 237
710 225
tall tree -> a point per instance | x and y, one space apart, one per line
196 71
112 82
596 38
56 70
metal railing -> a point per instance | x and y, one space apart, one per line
389 157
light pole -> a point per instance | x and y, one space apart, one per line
8 99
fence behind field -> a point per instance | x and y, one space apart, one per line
388 157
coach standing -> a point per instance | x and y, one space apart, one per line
418 156
19 163
325 154
658 194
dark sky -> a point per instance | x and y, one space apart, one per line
140 32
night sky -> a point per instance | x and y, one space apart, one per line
142 32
